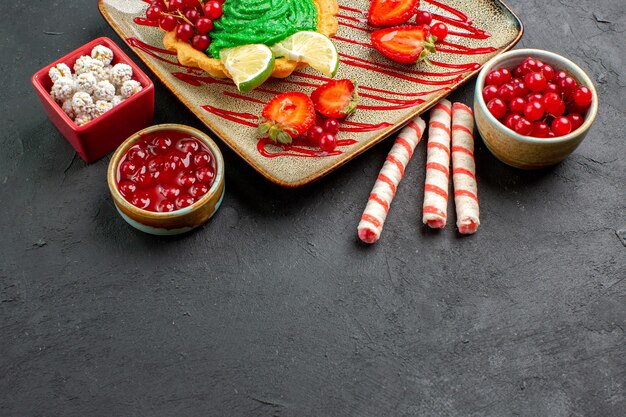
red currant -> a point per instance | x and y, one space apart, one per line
192 15
576 120
561 126
534 111
551 88
153 13
205 175
127 188
204 25
489 93
423 18
523 127
169 191
331 126
177 4
540 130
213 9
567 86
529 65
200 42
439 30
548 72
202 159
520 89
198 190
165 206
582 96
314 134
535 81
168 23
574 108
328 142
128 168
161 144
506 92
517 105
187 180
136 154
495 78
553 104
510 120
184 200
534 97
184 32
141 200
497 107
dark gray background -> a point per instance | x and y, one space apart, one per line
274 308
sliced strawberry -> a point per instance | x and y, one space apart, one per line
337 98
384 13
287 116
404 44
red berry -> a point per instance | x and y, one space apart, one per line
127 188
161 144
205 175
153 13
534 111
497 108
582 96
535 81
168 23
561 74
506 92
553 104
551 88
177 4
423 18
440 30
204 25
184 32
489 93
517 105
567 86
141 200
314 134
192 15
519 87
200 42
213 9
328 142
523 127
331 126
540 130
576 120
187 180
169 191
518 72
136 154
529 65
202 159
548 72
128 168
184 200
574 108
534 97
561 126
506 75
511 119
495 78
165 206
198 190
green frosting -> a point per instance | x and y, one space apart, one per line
260 21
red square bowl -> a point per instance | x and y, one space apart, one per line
105 133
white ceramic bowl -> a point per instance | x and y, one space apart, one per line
524 151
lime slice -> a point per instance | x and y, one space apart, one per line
311 47
248 65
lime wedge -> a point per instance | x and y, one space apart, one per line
311 47
248 65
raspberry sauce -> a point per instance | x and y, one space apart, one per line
166 171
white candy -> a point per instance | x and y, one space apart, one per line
87 64
86 82
104 73
63 89
82 103
121 73
117 100
100 108
59 71
102 54
130 88
83 118
104 90
68 109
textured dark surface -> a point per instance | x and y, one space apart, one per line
274 308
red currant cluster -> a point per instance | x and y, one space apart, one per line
324 136
440 30
191 19
536 100
163 174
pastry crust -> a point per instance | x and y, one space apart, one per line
187 55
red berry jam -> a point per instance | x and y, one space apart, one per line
165 172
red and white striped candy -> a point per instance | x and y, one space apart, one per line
464 169
438 166
391 174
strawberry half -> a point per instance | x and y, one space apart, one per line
337 98
405 44
287 116
384 13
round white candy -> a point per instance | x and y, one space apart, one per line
104 73
104 90
87 64
130 87
121 73
100 108
82 103
86 82
59 71
102 54
117 100
83 118
63 89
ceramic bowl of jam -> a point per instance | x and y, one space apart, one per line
167 179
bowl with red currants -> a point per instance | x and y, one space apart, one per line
167 179
533 108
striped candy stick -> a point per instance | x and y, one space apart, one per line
438 166
464 169
391 174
